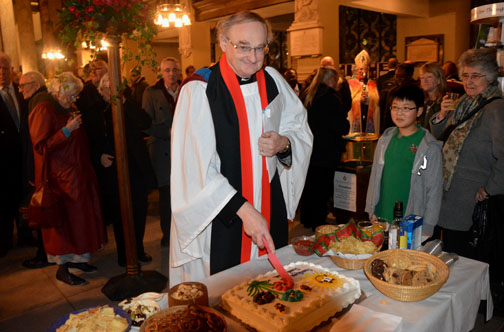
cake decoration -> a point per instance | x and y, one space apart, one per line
264 297
292 295
325 280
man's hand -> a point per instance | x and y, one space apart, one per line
255 225
106 160
270 143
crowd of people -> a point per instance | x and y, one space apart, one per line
235 147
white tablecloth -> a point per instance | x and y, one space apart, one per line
453 308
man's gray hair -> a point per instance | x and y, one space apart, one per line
6 57
170 58
36 77
65 83
224 25
483 58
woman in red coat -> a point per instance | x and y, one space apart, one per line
55 134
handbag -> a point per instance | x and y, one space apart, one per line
45 209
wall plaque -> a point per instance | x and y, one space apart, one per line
306 42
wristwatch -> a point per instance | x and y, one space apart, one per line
287 148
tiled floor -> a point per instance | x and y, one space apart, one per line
32 299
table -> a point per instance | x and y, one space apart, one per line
453 308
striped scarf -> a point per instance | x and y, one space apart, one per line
455 142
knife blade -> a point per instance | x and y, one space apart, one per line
278 265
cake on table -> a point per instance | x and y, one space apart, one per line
266 304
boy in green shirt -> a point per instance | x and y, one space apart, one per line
407 164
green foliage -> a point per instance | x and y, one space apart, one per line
92 20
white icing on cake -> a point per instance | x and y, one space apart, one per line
330 293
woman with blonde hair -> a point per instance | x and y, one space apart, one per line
433 83
328 121
60 143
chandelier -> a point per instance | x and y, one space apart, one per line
52 55
169 15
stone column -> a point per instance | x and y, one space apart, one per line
28 56
9 34
305 37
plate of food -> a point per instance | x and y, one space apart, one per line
140 308
101 318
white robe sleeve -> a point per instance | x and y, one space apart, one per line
293 125
198 190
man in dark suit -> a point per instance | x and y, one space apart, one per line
386 81
11 147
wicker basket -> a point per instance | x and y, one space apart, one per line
349 264
408 293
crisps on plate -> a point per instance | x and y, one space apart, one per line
352 245
99 319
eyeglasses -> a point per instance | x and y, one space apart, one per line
404 109
246 50
473 76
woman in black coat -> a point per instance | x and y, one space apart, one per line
99 127
328 122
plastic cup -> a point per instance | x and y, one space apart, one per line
452 96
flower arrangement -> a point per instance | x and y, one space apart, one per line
91 20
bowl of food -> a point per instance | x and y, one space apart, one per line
351 253
186 318
188 293
406 275
302 244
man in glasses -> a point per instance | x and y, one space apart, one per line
89 94
30 85
240 150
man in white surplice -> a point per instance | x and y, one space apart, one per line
241 147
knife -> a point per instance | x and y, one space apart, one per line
278 265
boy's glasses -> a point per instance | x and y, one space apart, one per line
404 109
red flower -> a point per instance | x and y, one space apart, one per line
87 18
89 9
77 13
71 9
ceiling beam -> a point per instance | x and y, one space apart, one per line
212 9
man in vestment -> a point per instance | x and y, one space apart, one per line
365 113
240 151
159 102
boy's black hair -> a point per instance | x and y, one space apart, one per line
411 93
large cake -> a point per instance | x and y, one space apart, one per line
318 293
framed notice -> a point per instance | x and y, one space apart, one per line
345 191
425 48
306 42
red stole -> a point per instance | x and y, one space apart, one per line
233 86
